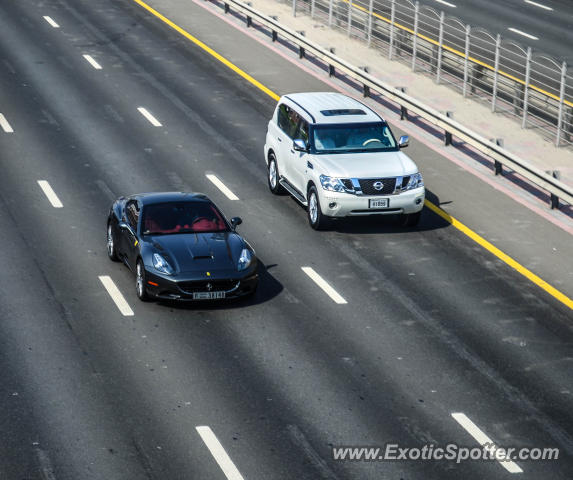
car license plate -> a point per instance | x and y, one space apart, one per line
379 203
208 295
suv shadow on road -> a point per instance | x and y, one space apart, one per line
269 287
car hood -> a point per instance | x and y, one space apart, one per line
365 165
191 252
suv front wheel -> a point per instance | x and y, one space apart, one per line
273 176
316 218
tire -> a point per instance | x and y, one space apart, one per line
316 218
111 249
410 219
140 288
273 176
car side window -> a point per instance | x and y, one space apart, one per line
132 213
288 120
302 132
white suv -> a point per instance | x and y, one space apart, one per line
339 158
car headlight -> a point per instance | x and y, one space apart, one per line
415 181
245 259
162 265
331 183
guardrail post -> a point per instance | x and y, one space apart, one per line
249 21
365 88
561 101
349 17
403 109
415 37
227 8
466 60
370 16
301 52
331 68
448 135
495 72
497 165
526 93
330 7
392 17
554 199
440 45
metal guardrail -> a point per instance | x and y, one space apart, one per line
557 189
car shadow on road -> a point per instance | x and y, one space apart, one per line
269 287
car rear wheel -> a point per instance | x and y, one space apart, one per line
111 251
273 176
410 219
140 287
316 219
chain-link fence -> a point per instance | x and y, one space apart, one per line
513 79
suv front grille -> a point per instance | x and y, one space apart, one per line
347 183
367 186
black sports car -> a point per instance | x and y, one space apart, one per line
180 247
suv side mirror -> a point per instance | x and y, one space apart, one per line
299 146
404 141
235 222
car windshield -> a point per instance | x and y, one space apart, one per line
360 137
182 217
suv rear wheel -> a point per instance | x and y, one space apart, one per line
316 218
273 176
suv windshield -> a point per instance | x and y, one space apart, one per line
182 217
354 137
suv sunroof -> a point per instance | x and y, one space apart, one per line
344 111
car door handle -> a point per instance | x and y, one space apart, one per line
279 139
292 151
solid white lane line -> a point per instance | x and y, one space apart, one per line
219 453
443 2
5 125
322 283
116 295
535 4
221 186
51 22
519 32
149 117
484 440
92 62
49 192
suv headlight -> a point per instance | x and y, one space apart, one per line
245 259
415 181
162 265
331 183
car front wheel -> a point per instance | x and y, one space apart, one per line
140 282
111 251
317 220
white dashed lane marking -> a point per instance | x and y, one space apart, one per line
526 35
448 4
50 194
221 186
149 117
484 440
539 5
92 62
219 453
322 283
116 295
5 125
51 22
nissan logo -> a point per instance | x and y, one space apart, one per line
378 185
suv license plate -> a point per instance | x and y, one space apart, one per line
208 295
379 203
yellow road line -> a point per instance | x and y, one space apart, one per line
501 255
451 220
209 50
458 53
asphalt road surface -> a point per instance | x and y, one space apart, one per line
438 340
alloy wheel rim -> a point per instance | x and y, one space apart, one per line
313 208
139 279
273 174
109 240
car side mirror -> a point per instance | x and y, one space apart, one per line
404 141
299 146
235 222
